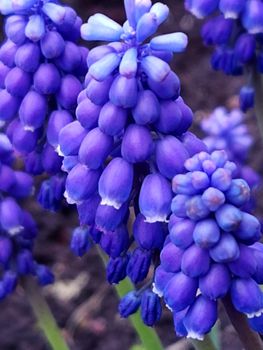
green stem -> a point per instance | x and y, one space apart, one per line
148 336
258 85
45 319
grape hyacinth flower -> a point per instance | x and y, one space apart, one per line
120 153
236 33
227 131
212 249
41 74
18 229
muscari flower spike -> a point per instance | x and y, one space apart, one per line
18 230
212 249
119 153
41 74
236 34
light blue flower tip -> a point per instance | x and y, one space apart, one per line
155 68
102 28
129 65
35 28
19 5
101 69
161 12
176 42
55 12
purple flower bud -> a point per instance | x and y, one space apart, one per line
238 193
161 279
171 257
247 98
226 250
206 233
79 175
51 161
11 216
33 110
28 57
168 164
112 119
124 92
232 8
245 265
7 178
200 180
155 68
245 47
213 198
196 208
101 28
17 82
55 12
98 91
30 227
80 243
52 44
178 205
139 265
182 183
9 281
97 53
148 236
103 68
35 28
95 148
70 59
69 163
44 275
246 297
129 304
70 139
114 243
6 250
168 88
7 53
151 309
252 19
137 145
87 210
57 120
200 317
15 29
146 26
87 113
25 263
249 230
155 198
147 109
221 179
256 323
129 64
4 70
47 79
9 105
258 256
116 269
228 217
115 193
23 186
108 218
180 292
67 95
216 283
195 261
178 318
24 141
181 233
170 117
201 8
95 234
192 143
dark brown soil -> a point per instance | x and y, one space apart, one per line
83 304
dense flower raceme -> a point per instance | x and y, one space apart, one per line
227 131
41 67
237 35
129 140
212 248
18 230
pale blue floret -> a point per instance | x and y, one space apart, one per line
35 28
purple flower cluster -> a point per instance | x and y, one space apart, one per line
18 230
228 131
237 35
212 248
41 67
129 140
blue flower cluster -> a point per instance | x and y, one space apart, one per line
237 36
18 230
212 248
41 67
120 152
228 131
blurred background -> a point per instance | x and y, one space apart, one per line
84 306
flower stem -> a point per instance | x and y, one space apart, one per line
250 339
258 85
45 319
149 338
